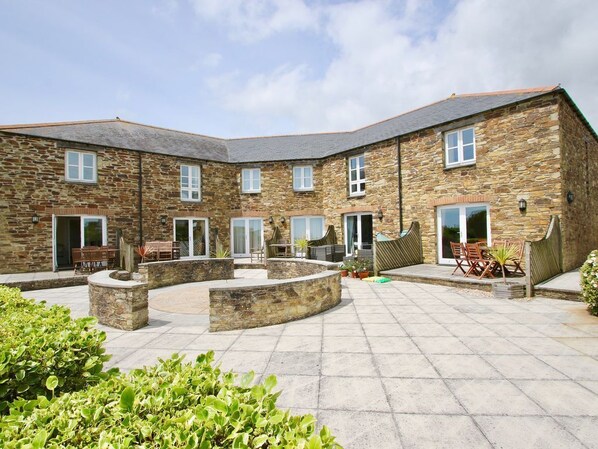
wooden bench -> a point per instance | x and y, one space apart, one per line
163 250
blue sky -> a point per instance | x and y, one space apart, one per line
234 68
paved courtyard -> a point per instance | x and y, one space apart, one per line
403 365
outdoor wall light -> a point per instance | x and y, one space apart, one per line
380 214
163 220
522 205
35 218
570 197
271 219
282 220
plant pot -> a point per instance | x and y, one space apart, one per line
508 291
344 273
364 274
354 274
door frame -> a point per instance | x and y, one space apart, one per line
55 217
247 242
346 235
462 227
190 235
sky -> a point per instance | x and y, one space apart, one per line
235 68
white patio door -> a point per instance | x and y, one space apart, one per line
306 227
359 232
246 236
76 231
193 236
465 223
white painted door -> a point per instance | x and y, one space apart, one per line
359 233
246 236
465 223
306 227
193 236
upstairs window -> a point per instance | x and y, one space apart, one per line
303 178
357 175
251 180
459 147
81 166
190 183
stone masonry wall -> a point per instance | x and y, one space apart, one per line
294 268
579 169
173 272
268 304
517 156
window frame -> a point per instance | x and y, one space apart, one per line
460 161
358 181
190 189
302 187
251 172
80 167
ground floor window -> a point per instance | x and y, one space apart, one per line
465 223
358 232
71 232
247 235
192 234
306 227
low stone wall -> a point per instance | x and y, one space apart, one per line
294 268
118 303
182 271
273 302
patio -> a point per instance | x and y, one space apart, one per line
404 364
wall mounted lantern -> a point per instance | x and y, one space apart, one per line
522 205
282 220
163 220
35 218
380 214
570 196
271 219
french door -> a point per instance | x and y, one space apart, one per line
193 236
466 223
246 236
310 228
70 232
358 232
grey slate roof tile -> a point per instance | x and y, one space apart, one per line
128 135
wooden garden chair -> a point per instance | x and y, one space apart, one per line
460 256
516 263
478 264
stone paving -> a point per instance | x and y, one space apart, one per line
405 365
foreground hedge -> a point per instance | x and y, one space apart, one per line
170 405
589 282
38 343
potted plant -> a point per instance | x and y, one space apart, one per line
144 251
221 252
301 247
364 267
345 267
501 255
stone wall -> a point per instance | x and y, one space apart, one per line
517 156
579 170
268 304
294 268
173 272
121 304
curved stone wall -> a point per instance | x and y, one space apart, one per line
116 301
274 302
294 268
182 271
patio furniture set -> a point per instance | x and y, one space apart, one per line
162 250
93 258
475 259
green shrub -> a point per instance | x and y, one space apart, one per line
589 282
37 343
170 405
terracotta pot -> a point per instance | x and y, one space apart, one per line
364 274
354 274
344 273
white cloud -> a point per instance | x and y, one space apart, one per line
257 19
388 62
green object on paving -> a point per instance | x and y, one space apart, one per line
377 279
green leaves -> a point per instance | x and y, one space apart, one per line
127 398
51 383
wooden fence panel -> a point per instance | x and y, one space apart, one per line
328 239
402 252
544 257
276 237
126 255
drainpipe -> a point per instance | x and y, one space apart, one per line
400 184
140 191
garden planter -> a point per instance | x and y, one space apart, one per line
344 273
508 291
364 274
354 274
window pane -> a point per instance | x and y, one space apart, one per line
194 183
185 194
453 155
256 183
181 235
184 170
449 222
316 228
362 173
88 173
307 183
195 172
255 234
73 172
239 237
195 195
477 224
467 136
73 158
353 163
88 160
299 226
297 183
353 188
92 232
451 140
362 187
184 182
361 160
468 152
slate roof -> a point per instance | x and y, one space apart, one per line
123 134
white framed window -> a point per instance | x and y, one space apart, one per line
251 180
303 178
80 166
357 175
190 183
459 147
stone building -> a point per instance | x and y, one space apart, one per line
460 167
